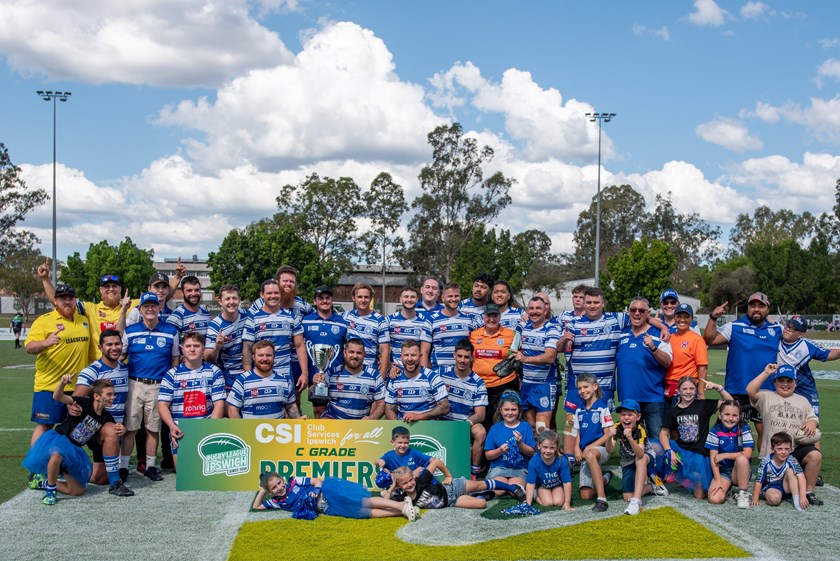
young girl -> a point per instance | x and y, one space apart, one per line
510 442
687 456
335 497
592 424
730 445
549 478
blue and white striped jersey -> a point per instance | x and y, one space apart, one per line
279 328
185 320
372 329
468 306
465 394
352 395
415 395
726 440
98 370
535 341
230 355
191 393
770 475
446 332
259 397
591 422
595 346
401 329
798 355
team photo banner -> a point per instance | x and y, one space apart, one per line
229 454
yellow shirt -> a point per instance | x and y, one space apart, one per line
69 356
101 317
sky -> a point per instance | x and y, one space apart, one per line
187 117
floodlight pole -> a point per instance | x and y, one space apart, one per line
605 118
54 96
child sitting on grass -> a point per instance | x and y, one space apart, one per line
425 491
510 442
332 496
549 479
636 454
730 445
592 424
780 476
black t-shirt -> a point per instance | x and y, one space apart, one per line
84 427
691 424
430 492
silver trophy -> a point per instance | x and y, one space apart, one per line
322 356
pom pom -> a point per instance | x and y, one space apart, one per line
513 455
306 509
522 509
384 480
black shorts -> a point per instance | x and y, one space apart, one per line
801 451
748 412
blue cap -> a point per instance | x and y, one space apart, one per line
684 309
785 371
629 405
149 297
669 293
798 323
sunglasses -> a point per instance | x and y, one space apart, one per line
637 310
109 278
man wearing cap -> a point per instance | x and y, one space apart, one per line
190 315
151 346
668 302
408 324
323 327
480 295
641 360
537 353
17 326
492 343
61 342
753 343
691 358
796 351
159 284
784 411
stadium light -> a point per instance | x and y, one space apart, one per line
53 96
601 118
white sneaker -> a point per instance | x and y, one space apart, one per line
743 500
409 510
659 488
634 507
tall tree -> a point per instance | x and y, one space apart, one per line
132 264
769 226
16 201
730 281
622 217
384 205
251 255
323 211
692 241
456 200
642 270
17 276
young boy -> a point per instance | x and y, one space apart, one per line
636 454
192 390
404 455
427 492
61 449
780 476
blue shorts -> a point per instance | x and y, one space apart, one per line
539 396
46 410
628 474
777 485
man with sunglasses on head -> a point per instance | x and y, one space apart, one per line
668 302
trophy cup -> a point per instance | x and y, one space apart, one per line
322 356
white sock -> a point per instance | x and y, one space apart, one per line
796 503
124 462
150 462
602 499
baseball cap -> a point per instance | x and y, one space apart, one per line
158 277
798 323
492 309
669 293
785 371
105 279
628 405
323 290
64 290
149 297
761 297
684 309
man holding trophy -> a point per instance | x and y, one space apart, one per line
324 333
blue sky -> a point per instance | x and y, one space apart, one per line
194 113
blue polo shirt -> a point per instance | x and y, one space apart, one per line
150 351
751 348
640 377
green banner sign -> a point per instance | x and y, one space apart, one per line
229 454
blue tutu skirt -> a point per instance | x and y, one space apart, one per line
345 498
74 459
694 470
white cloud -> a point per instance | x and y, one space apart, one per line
830 69
757 10
707 12
662 32
154 42
730 134
539 119
829 43
821 118
339 99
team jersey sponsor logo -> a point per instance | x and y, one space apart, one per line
224 453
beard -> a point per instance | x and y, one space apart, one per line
287 299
